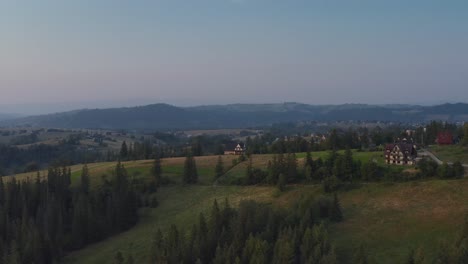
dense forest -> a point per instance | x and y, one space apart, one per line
253 233
42 219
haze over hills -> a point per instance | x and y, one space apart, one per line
164 116
7 116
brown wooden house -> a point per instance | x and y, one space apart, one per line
400 154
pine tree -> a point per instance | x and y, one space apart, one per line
190 175
333 140
291 167
249 172
348 165
157 171
281 185
85 179
124 150
119 259
458 169
284 249
219 170
360 256
336 214
307 247
465 135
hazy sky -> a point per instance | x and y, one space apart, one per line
105 52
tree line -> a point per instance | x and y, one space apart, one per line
42 219
337 170
253 233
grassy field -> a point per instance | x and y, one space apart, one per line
172 168
451 153
388 218
178 205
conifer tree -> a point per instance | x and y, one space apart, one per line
249 172
360 256
219 170
284 249
124 150
85 179
190 175
157 171
281 185
291 167
335 213
465 135
458 169
119 259
348 161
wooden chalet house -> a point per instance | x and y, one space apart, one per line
400 153
234 149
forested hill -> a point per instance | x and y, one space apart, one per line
6 116
163 116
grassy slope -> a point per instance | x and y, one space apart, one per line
388 218
392 218
451 153
178 205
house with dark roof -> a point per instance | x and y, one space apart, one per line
234 149
400 153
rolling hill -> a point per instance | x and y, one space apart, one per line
166 117
389 218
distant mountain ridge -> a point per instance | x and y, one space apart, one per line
164 116
7 116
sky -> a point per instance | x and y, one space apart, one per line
62 54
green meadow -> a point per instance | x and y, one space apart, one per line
390 219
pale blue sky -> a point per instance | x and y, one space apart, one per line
228 51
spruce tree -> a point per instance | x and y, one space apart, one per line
119 259
249 172
124 150
85 179
291 167
465 135
190 175
219 170
157 171
458 169
360 256
336 214
281 185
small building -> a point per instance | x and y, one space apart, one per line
400 153
444 138
234 149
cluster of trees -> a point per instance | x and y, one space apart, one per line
429 168
332 171
338 169
356 138
427 135
41 220
465 135
16 160
253 233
